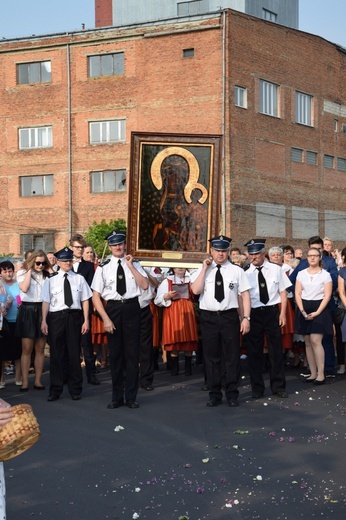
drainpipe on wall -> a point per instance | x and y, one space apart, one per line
223 180
69 146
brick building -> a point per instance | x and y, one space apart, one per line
69 102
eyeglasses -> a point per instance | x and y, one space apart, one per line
40 263
78 247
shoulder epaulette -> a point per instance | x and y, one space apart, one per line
105 262
52 274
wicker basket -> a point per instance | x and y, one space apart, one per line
20 434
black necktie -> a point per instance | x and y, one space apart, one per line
263 289
67 292
121 282
219 291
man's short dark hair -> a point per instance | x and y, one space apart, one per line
315 240
235 249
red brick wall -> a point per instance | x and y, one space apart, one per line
103 13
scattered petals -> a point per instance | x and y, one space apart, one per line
265 404
205 461
296 403
137 490
200 490
135 516
259 477
241 432
118 428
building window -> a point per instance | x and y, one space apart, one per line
38 72
269 98
193 7
188 53
35 137
269 15
36 185
303 109
341 164
107 131
106 65
328 161
44 242
108 180
240 97
336 125
297 155
311 158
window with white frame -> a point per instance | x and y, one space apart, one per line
303 109
107 131
297 155
269 97
311 158
269 15
30 242
37 72
341 164
328 161
108 180
240 97
35 137
36 185
106 65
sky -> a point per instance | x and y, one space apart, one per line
325 18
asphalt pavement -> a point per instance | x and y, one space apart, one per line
175 458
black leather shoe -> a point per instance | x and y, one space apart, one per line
318 383
132 404
26 389
281 393
257 395
309 380
213 402
76 397
52 398
148 388
93 381
36 387
115 404
233 403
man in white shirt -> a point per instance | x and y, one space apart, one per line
119 281
268 289
219 284
65 318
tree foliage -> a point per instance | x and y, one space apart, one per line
97 233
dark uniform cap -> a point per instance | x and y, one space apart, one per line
64 255
255 245
116 237
220 243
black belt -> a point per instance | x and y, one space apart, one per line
123 300
220 313
265 307
66 311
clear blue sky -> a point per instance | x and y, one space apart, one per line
26 17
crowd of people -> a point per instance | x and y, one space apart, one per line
268 306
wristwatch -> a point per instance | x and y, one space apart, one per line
246 318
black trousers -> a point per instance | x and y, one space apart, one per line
64 338
146 351
221 347
124 348
265 322
89 356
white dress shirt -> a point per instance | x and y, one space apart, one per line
234 283
105 280
276 280
53 291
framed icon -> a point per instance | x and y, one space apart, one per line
174 197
